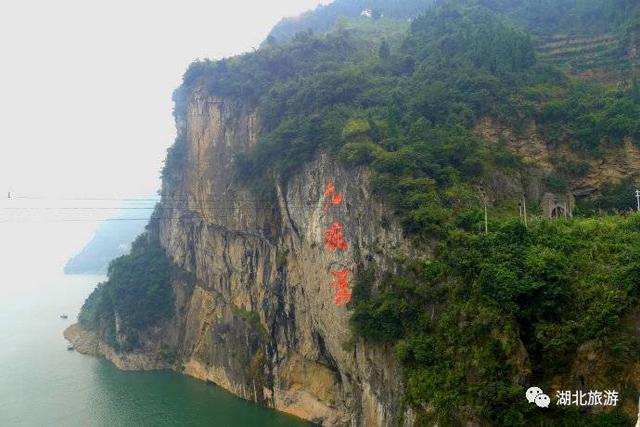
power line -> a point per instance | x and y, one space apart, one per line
161 199
181 218
135 199
213 208
194 203
219 208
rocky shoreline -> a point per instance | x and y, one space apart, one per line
83 342
86 342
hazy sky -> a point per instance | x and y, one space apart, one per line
85 100
86 86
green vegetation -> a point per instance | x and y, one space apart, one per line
176 158
565 16
408 111
138 293
615 198
492 313
582 35
252 318
591 115
460 322
327 18
456 65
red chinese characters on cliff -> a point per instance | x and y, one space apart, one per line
341 285
334 238
330 195
334 241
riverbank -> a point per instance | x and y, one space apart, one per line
86 342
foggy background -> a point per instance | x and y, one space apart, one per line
86 111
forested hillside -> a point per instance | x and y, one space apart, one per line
588 36
409 113
566 16
465 114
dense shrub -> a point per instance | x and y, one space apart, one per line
138 293
613 198
461 322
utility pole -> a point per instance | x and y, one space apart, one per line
486 219
483 196
524 209
638 199
520 209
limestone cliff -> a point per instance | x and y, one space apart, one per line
539 159
261 321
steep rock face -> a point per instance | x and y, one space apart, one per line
537 157
260 320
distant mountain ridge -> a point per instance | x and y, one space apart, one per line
112 239
583 35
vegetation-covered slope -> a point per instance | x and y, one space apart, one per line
408 112
583 36
325 17
137 295
489 314
565 16
520 306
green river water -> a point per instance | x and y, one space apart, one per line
44 384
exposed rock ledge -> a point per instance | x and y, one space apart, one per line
86 342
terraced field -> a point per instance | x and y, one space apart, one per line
583 53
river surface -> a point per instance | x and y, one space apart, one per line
44 384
